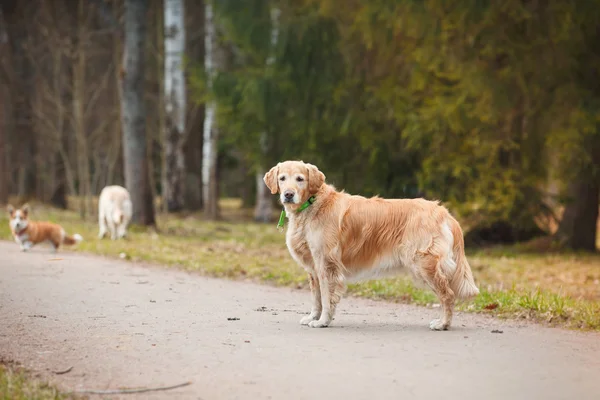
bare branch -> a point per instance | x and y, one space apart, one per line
97 91
123 391
102 126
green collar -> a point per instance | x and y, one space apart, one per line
304 206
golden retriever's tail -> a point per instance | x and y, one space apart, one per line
462 282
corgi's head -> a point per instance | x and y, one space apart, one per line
18 217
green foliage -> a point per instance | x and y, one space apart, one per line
474 103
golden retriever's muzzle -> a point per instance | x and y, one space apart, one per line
288 196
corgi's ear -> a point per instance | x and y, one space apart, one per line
11 210
25 210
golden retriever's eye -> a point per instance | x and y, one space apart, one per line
299 179
282 178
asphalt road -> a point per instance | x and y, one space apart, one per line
119 324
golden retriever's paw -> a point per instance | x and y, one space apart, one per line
319 324
438 325
307 319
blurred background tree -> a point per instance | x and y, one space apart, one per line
490 107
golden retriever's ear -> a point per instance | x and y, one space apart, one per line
316 178
10 209
25 209
271 179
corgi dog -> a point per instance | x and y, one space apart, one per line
29 233
114 211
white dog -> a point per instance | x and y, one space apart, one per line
114 211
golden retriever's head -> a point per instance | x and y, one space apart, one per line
296 181
18 217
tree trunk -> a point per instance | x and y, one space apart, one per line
3 152
193 159
194 14
59 195
16 16
115 154
175 105
63 175
577 229
263 212
83 157
579 224
4 55
264 201
212 63
134 113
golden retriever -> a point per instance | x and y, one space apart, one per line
338 237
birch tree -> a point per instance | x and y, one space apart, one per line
264 200
212 61
133 112
175 105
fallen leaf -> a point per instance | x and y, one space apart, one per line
491 306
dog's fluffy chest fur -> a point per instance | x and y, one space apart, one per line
298 245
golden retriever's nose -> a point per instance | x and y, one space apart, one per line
288 194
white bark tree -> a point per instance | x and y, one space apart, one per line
175 106
263 211
212 63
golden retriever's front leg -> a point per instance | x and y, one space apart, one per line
315 290
331 285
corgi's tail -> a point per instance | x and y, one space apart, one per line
71 240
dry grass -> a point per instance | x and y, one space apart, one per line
15 384
556 288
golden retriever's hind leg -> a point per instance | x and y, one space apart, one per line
337 287
332 285
315 290
441 286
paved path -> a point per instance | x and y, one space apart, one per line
120 324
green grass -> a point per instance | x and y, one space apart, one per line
561 289
16 385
